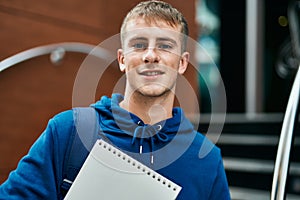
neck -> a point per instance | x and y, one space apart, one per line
150 109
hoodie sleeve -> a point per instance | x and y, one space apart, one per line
38 174
220 190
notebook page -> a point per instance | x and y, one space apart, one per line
110 174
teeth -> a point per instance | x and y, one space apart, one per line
151 73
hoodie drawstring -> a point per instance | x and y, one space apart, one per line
147 131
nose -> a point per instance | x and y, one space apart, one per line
151 56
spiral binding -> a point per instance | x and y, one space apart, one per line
138 165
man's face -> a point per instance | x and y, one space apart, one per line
152 57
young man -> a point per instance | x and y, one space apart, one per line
143 122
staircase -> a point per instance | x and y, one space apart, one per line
249 147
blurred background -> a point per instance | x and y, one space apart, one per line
249 43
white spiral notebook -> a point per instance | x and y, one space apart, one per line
110 174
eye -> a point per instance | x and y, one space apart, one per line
165 46
139 46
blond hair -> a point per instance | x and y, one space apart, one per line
153 10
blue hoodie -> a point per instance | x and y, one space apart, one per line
171 147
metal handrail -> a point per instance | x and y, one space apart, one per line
56 51
285 141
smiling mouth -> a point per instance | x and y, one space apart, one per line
151 73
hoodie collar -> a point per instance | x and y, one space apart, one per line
121 123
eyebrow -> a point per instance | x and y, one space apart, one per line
167 39
160 39
137 38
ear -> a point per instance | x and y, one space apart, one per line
184 61
121 60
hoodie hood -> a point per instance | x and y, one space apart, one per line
119 125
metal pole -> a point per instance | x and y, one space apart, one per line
254 55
